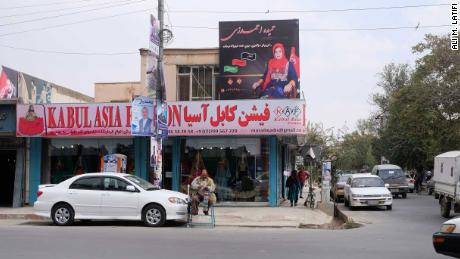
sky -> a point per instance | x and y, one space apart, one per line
339 69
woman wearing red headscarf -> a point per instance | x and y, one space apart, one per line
280 79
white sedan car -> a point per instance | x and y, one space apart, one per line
446 241
109 196
367 190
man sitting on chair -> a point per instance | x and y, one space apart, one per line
203 190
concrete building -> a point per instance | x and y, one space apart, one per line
16 154
248 168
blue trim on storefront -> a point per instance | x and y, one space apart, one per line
176 163
141 156
35 164
273 172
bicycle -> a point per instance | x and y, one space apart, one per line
310 200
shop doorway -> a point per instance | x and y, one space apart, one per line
8 164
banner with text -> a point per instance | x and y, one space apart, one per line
80 119
243 117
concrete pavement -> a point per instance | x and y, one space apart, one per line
404 232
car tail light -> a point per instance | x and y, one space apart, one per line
39 193
438 240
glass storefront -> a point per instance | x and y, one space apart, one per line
67 157
238 166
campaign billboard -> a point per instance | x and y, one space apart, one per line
8 83
259 59
142 116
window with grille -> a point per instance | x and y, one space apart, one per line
196 83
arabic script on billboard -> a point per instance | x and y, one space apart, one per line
259 59
257 117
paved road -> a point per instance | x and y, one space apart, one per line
404 232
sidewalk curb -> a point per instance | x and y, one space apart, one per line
341 215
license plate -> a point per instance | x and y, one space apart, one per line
373 202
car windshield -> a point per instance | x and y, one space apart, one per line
367 182
343 178
141 182
391 173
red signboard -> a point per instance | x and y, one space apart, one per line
243 117
201 118
53 120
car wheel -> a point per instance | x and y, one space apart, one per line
154 216
404 195
62 214
430 192
389 207
347 203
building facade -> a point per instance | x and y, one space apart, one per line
249 169
17 154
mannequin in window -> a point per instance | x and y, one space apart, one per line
243 172
222 177
242 167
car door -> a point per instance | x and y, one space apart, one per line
85 195
117 202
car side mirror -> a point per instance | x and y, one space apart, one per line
387 185
130 188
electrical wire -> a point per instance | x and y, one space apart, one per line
60 9
41 5
71 52
335 29
72 13
77 22
268 11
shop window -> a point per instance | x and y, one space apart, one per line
196 83
64 158
238 166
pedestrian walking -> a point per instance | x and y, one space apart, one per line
418 181
303 177
293 185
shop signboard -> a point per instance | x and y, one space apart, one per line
198 118
142 114
241 117
79 119
259 59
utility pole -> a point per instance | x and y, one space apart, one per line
159 92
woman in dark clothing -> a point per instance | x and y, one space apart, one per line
293 185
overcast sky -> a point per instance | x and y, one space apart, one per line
339 69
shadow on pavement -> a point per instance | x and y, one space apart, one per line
103 223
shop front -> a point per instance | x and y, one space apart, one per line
72 139
237 142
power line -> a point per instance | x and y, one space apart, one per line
268 11
61 9
213 28
70 53
334 29
72 13
41 5
77 22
